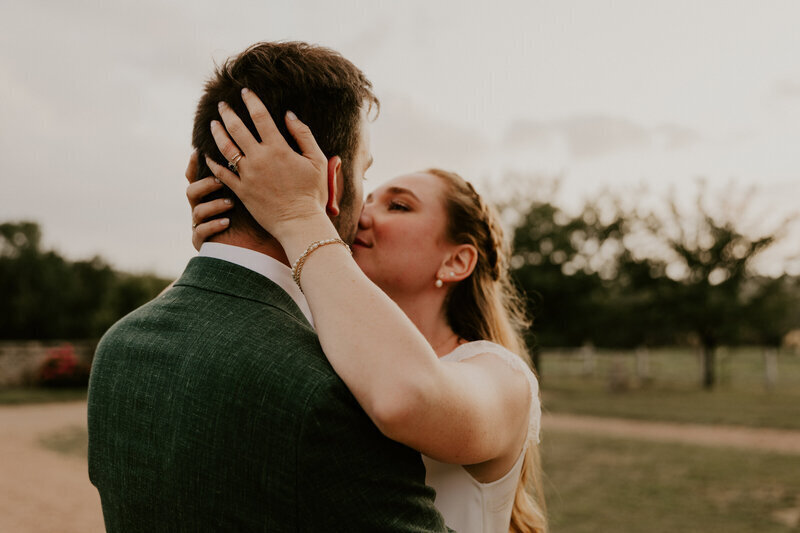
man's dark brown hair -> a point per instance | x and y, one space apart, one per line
324 90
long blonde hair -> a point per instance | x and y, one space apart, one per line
487 306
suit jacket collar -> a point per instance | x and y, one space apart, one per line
220 276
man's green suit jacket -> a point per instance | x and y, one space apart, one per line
213 408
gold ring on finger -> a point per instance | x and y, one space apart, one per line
233 164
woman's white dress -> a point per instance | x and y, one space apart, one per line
467 505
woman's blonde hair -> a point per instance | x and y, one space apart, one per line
487 306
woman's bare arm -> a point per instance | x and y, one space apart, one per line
462 413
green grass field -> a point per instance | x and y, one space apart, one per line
604 484
596 483
23 395
610 387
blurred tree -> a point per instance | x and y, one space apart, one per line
707 286
773 310
30 283
19 237
44 296
625 278
561 262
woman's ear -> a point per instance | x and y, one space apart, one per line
459 264
335 181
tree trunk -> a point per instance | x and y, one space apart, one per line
643 364
770 367
709 367
588 356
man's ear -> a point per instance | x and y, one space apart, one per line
334 182
459 263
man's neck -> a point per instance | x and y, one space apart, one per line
270 247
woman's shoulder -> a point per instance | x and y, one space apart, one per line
472 349
468 350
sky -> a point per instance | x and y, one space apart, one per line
97 100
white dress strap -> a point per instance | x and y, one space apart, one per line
475 348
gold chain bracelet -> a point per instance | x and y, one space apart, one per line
297 267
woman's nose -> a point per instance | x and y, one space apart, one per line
365 219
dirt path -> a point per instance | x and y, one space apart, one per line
42 490
769 440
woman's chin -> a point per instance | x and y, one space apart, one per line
364 266
359 259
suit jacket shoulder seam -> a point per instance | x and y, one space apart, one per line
255 300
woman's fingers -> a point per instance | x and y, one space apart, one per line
195 192
202 212
191 168
236 128
198 190
227 147
305 139
205 230
261 118
223 174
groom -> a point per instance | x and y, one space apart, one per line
213 408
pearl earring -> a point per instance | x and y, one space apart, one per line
439 284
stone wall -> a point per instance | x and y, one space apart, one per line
20 360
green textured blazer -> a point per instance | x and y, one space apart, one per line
213 408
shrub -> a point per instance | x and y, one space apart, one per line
62 368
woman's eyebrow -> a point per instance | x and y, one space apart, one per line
402 190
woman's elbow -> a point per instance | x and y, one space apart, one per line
397 412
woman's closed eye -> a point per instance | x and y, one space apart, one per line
394 205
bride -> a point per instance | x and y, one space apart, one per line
438 363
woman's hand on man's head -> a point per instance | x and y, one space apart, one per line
202 227
277 185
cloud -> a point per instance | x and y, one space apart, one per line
371 42
787 89
593 135
406 138
674 136
97 102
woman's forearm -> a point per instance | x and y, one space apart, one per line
377 351
459 412
462 413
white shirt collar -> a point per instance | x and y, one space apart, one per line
259 263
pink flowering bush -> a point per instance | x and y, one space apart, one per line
62 368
